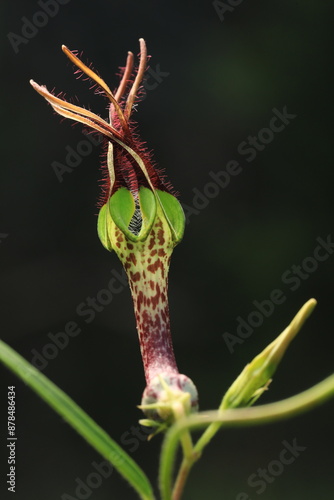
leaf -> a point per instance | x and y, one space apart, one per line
123 211
103 222
79 420
122 207
173 213
148 208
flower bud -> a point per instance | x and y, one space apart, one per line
257 375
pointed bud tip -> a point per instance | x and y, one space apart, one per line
311 303
34 85
304 312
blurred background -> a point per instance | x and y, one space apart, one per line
219 74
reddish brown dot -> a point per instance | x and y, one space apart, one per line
153 267
135 276
140 300
129 246
152 240
156 297
161 237
161 252
133 258
153 252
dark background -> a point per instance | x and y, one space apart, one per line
225 77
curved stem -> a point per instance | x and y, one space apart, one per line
237 417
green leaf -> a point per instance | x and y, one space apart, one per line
102 227
79 420
123 210
173 213
122 207
148 208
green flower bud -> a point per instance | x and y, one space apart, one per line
257 375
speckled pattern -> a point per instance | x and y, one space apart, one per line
146 264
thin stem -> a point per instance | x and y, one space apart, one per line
76 113
138 79
181 479
208 434
100 82
289 407
186 441
125 78
88 71
188 455
123 84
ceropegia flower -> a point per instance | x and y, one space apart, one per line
141 220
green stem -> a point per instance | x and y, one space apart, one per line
181 478
236 417
208 434
188 453
186 441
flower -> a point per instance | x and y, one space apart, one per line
142 221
